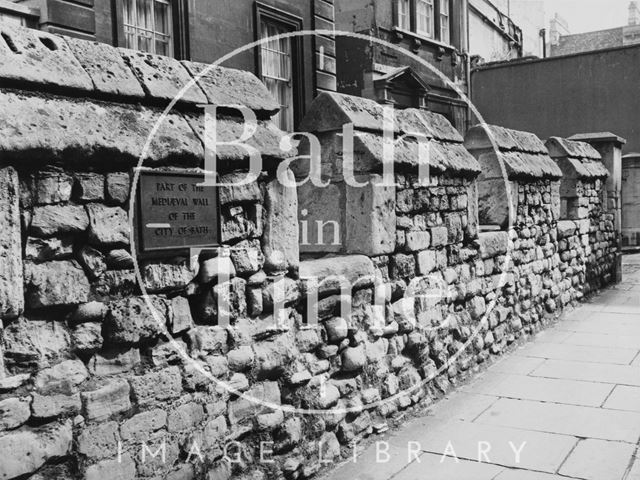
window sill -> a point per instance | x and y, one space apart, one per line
423 39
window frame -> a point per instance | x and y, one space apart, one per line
293 23
431 7
436 36
181 48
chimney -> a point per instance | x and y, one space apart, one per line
634 14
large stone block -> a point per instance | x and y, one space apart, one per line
107 400
157 386
227 87
32 56
106 67
99 440
162 77
493 244
26 450
139 427
108 227
92 132
370 217
56 219
328 275
280 240
11 277
14 412
55 283
160 277
45 249
123 468
61 378
35 342
52 186
132 320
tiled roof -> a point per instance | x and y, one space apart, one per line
587 42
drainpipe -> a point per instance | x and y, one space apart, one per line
543 34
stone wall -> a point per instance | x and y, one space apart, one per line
118 369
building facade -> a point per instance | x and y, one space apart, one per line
434 31
493 36
294 69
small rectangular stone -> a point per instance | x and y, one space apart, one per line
11 280
106 401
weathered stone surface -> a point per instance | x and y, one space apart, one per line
106 401
106 68
93 262
162 77
271 358
14 412
160 277
50 406
26 450
208 339
280 239
132 320
157 386
86 338
119 259
45 249
55 283
118 187
117 469
426 262
114 362
57 219
185 417
89 312
140 426
15 381
234 190
89 187
354 358
257 400
115 284
52 186
402 266
337 329
226 87
108 227
240 359
30 342
493 244
322 275
99 440
179 315
214 268
370 217
40 58
247 257
93 132
416 241
11 280
439 236
281 289
61 378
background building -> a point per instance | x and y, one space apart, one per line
434 30
493 36
563 43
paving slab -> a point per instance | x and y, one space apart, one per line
515 474
613 324
600 340
589 372
598 460
578 353
505 446
570 392
624 398
461 406
586 422
380 460
517 365
634 474
434 467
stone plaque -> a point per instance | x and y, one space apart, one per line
174 213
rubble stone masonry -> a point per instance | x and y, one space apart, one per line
415 297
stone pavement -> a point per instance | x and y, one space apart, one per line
573 395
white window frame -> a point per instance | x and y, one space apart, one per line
285 118
133 30
403 14
445 22
425 17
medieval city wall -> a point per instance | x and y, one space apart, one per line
216 357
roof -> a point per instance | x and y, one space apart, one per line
586 42
524 155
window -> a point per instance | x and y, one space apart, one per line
445 28
154 26
404 18
280 63
427 18
424 17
